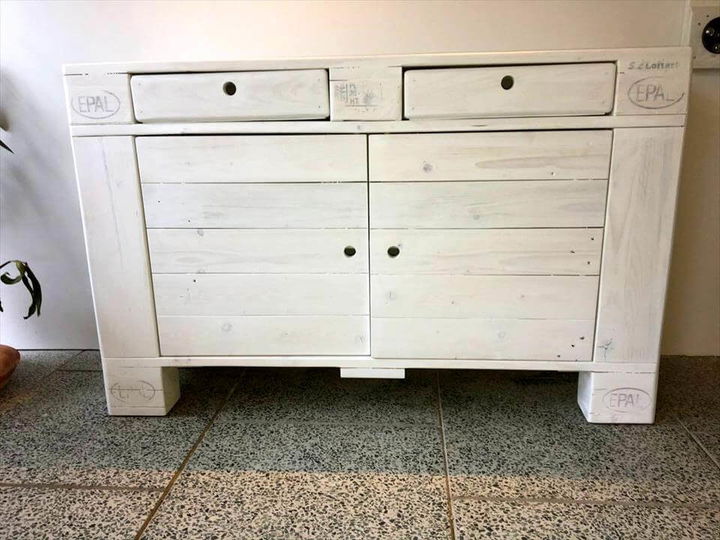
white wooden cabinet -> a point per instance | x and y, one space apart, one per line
464 211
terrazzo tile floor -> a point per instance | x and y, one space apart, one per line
298 453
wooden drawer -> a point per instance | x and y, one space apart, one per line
487 205
545 90
529 155
264 206
254 158
236 96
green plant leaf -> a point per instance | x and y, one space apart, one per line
29 280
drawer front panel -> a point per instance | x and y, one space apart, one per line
532 155
478 252
255 158
235 96
471 205
257 251
547 90
500 297
250 336
483 339
268 206
261 294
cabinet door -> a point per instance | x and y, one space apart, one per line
258 244
486 245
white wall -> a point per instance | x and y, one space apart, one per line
40 221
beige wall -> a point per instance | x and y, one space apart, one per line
40 219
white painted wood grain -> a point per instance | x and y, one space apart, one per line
561 89
638 239
112 214
261 294
379 126
365 94
618 398
487 251
481 205
257 251
99 98
653 82
259 158
259 95
257 206
499 297
491 339
531 155
264 335
140 391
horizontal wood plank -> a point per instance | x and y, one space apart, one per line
489 251
502 297
257 251
261 294
476 92
249 95
490 339
481 205
263 335
254 158
530 155
256 206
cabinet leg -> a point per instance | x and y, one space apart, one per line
141 391
618 398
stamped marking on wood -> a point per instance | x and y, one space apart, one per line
133 391
653 93
627 400
365 94
100 104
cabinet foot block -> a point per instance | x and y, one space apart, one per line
141 391
372 373
618 398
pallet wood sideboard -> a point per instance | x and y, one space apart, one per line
377 214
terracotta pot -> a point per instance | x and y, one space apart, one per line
9 359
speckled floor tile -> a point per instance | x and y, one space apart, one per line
689 390
711 444
590 462
290 505
320 448
85 361
64 434
31 513
26 380
320 395
551 520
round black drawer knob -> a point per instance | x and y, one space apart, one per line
507 82
393 251
349 251
229 88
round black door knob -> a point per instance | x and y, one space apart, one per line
349 251
393 251
229 88
507 82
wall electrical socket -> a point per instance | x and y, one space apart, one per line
702 12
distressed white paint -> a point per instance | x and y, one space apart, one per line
467 297
140 391
261 294
291 158
539 155
487 205
256 206
638 239
358 93
618 398
547 90
493 339
487 251
272 251
260 335
204 97
99 98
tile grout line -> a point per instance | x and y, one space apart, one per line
30 485
448 491
700 444
186 460
587 502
